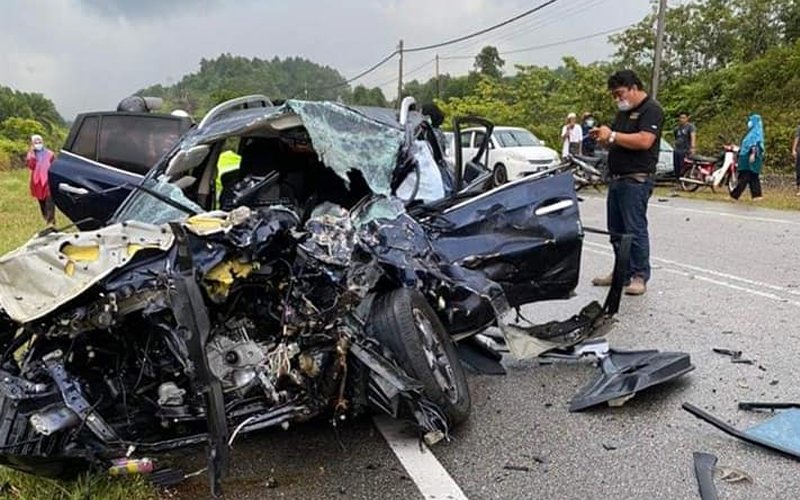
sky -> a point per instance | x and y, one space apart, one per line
88 54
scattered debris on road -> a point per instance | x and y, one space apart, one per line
733 475
704 464
736 356
780 433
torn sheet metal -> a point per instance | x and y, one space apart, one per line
625 373
217 222
526 342
704 464
52 269
526 236
780 433
344 138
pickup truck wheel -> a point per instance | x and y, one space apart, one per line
405 323
499 174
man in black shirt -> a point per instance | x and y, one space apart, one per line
633 144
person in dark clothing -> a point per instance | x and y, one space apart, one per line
633 145
589 143
751 158
685 142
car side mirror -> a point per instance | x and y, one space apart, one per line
543 143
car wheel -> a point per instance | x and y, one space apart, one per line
406 324
500 174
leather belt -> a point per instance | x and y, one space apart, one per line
638 176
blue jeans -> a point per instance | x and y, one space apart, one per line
626 213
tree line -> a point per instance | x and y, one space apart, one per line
723 59
21 115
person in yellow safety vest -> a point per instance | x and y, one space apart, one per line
228 160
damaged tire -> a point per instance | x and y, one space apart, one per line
405 323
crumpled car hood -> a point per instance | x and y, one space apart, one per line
344 138
52 269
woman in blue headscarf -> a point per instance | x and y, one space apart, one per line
751 158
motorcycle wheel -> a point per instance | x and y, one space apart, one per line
691 174
731 180
405 323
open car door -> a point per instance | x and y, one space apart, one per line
525 235
105 155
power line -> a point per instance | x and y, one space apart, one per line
436 45
527 27
548 45
360 75
538 23
414 70
483 31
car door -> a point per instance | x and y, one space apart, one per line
104 157
525 235
467 148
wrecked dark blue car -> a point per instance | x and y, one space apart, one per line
328 276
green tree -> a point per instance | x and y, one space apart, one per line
489 63
368 97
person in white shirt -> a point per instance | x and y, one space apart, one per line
571 137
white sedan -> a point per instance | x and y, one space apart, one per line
513 152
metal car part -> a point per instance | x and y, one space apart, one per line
234 362
704 464
779 436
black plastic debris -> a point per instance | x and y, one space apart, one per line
625 373
704 464
736 356
780 433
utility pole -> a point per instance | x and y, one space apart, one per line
662 14
400 74
437 76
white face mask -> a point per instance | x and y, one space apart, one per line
624 105
38 147
750 124
590 123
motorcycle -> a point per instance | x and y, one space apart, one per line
701 171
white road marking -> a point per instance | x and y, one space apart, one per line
718 274
711 212
738 288
428 474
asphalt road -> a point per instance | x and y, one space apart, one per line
724 276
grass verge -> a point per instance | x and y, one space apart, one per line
19 220
779 198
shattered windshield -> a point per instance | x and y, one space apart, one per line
144 206
377 208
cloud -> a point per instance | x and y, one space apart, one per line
88 54
141 10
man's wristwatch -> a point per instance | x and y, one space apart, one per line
612 137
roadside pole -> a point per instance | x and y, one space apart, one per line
662 13
400 74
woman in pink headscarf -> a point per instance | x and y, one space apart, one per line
39 160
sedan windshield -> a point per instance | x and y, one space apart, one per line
516 139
